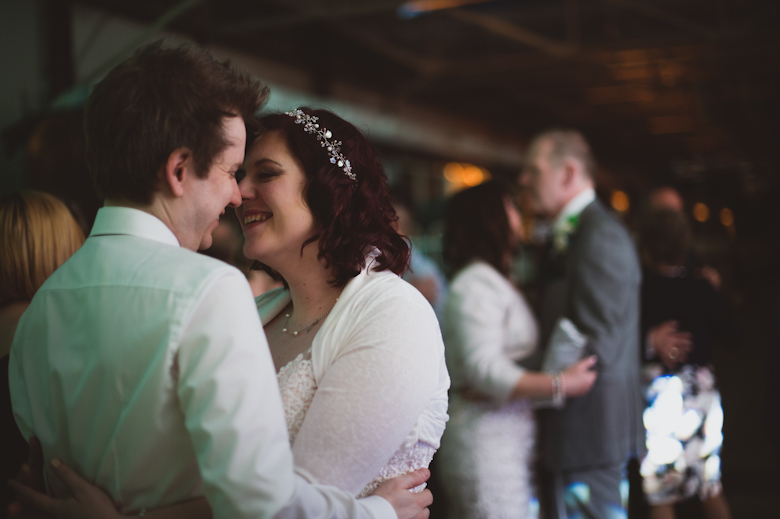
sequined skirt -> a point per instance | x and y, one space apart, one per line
684 423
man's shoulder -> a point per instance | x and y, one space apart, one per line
138 262
180 269
596 214
598 223
604 240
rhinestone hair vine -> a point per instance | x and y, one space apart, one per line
324 135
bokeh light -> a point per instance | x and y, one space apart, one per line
461 175
620 201
727 217
701 212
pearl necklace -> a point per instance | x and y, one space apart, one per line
308 328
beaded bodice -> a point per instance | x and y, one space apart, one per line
297 385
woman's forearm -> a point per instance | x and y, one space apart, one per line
532 385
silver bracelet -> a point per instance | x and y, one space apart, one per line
558 388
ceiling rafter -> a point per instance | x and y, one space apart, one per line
395 53
664 15
311 13
514 32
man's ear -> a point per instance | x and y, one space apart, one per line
571 170
178 168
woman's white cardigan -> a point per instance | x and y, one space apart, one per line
382 381
487 327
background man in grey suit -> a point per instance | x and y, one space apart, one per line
586 443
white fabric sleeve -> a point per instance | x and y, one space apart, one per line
318 501
230 399
474 318
231 404
371 396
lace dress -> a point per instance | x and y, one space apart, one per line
298 387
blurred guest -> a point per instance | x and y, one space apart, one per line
37 234
488 446
666 197
684 418
423 273
586 443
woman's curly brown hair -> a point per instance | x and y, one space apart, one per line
354 216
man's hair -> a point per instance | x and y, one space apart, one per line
37 234
565 143
664 238
155 102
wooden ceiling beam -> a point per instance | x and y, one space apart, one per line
514 32
395 53
307 15
668 17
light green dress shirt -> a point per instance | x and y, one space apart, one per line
144 366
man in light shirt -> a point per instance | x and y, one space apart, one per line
585 444
143 365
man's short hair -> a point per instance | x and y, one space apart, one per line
155 102
565 143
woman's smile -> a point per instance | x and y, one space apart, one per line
255 217
274 216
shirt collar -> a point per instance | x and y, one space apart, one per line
124 220
575 206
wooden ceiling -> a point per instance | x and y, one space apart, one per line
663 88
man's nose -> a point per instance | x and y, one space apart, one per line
235 198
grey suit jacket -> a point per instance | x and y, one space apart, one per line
599 293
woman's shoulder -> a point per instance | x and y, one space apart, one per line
380 311
480 276
379 287
380 301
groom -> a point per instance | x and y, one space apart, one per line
142 364
585 445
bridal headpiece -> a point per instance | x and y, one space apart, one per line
325 137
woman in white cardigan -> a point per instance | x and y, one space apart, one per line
487 449
358 351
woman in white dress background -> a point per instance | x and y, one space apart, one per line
488 447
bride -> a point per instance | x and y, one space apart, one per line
358 351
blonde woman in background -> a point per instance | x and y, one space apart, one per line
37 234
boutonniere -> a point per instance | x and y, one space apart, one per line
562 234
